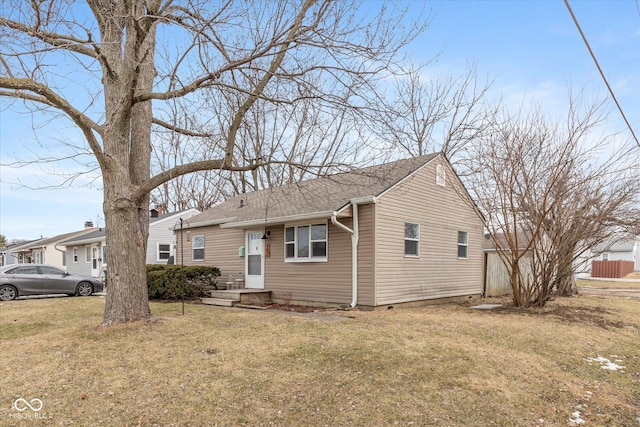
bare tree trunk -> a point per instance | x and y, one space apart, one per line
516 283
127 297
127 218
567 287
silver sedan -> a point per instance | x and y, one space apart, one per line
39 279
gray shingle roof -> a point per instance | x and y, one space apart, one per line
314 196
93 236
615 245
59 238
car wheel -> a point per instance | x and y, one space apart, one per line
84 289
8 293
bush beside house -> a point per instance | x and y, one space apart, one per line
167 281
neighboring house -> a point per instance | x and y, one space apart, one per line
87 254
162 240
619 249
12 254
400 232
45 250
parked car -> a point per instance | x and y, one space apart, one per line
39 279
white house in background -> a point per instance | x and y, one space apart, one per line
88 254
619 249
614 249
162 240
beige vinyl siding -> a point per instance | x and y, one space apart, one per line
220 249
326 282
441 213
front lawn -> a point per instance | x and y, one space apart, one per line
442 365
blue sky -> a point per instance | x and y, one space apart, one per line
531 49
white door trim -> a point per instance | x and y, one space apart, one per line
96 256
254 253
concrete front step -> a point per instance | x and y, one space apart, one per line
244 296
222 302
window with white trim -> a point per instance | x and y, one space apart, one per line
87 253
75 254
306 243
411 239
163 252
463 246
197 248
605 256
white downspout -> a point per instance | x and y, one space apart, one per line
355 237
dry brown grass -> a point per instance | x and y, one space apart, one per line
443 365
607 284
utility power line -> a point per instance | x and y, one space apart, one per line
606 82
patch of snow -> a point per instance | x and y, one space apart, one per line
606 363
576 418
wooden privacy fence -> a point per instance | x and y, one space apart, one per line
497 279
611 269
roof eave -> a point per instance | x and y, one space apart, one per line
278 220
219 221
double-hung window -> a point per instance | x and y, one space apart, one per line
164 251
411 239
306 243
463 246
75 254
198 248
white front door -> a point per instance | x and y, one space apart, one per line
95 261
254 260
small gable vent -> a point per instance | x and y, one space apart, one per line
441 176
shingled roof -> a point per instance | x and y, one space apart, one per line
320 196
619 244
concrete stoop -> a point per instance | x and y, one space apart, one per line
238 297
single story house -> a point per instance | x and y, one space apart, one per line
400 232
87 254
619 249
45 250
12 254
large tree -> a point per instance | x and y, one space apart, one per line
122 69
